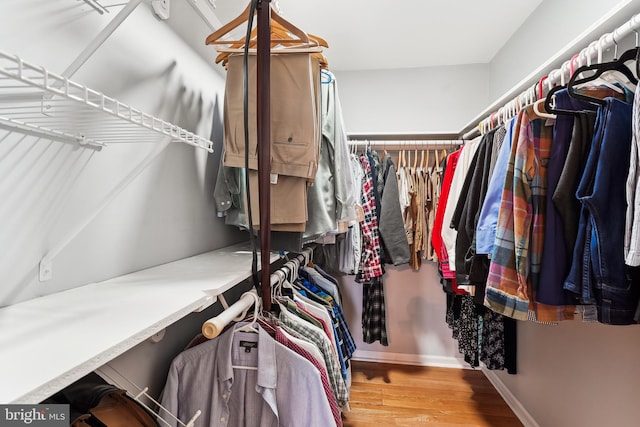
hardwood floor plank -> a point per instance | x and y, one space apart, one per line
401 395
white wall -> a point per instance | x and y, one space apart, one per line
48 187
434 99
549 28
578 374
416 308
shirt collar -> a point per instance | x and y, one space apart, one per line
267 372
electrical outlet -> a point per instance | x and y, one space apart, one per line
46 269
161 8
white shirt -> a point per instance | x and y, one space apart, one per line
449 235
285 391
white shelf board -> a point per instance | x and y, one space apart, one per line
49 342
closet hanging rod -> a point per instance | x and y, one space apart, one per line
214 326
525 88
408 144
426 136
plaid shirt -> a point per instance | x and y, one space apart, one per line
370 264
349 344
344 339
517 253
310 333
374 326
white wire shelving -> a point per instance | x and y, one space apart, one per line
36 101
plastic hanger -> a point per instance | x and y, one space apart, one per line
617 65
542 101
326 77
251 327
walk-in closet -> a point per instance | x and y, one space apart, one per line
299 213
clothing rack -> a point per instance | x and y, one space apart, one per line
214 326
532 93
427 136
237 311
399 145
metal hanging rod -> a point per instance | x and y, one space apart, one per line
516 99
400 144
427 136
34 98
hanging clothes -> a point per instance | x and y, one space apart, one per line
517 254
248 379
331 199
392 230
370 269
600 243
449 234
436 240
632 224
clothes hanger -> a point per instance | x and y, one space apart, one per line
617 65
251 327
541 101
229 26
326 77
549 102
279 36
216 36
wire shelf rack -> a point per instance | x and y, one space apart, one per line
35 101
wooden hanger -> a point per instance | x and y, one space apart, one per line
283 32
443 155
216 36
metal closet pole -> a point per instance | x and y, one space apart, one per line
264 145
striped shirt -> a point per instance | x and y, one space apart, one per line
311 333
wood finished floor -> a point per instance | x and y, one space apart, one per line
401 395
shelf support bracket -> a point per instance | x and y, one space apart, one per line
101 38
46 263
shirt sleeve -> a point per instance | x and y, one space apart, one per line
488 219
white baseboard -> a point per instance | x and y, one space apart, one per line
410 359
521 412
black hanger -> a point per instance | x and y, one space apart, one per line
617 65
551 109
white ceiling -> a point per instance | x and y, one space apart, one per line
376 34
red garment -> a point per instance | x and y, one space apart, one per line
436 236
370 262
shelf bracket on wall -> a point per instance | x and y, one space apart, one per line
46 263
102 36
